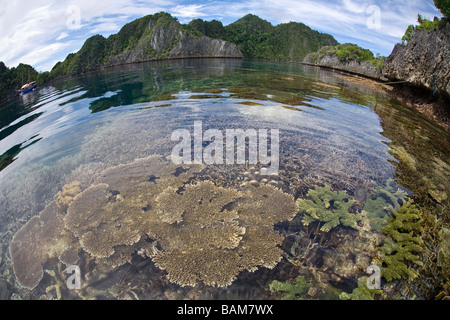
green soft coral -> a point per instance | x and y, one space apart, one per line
382 203
291 291
362 292
404 243
330 208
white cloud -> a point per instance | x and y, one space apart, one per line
36 32
62 36
188 11
33 32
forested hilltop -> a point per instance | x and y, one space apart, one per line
258 39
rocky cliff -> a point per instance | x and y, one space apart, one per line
364 68
424 61
347 57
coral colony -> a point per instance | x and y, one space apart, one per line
200 239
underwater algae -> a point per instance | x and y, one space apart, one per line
381 203
404 243
330 208
291 291
210 235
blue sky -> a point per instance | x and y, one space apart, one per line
41 33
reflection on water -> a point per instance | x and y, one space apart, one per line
90 156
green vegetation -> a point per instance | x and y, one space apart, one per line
291 291
381 204
404 243
362 292
258 39
330 208
91 56
444 7
213 29
12 79
425 24
348 52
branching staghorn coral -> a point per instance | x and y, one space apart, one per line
330 208
403 244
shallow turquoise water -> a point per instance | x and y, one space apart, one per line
332 132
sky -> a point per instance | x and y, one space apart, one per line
41 33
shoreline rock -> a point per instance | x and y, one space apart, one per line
424 61
363 68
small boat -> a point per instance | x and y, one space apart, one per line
26 88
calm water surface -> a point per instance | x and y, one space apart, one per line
58 143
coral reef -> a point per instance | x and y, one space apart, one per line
291 291
402 155
330 208
67 194
196 232
204 241
403 244
255 178
382 203
112 218
36 242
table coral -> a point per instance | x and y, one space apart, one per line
36 242
111 217
100 223
195 231
212 244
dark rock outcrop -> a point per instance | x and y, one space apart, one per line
364 68
424 61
